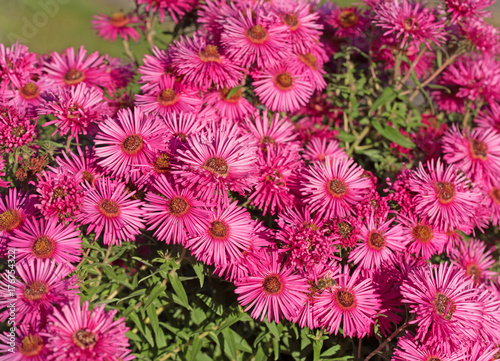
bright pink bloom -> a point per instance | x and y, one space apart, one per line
318 149
3 183
31 345
460 9
311 65
423 237
233 107
492 202
27 95
16 129
17 63
490 117
155 67
176 8
272 132
410 349
84 163
118 24
484 36
183 125
15 209
475 259
345 230
348 22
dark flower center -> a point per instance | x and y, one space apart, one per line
18 131
411 24
266 139
10 220
376 240
132 144
433 358
446 191
43 247
162 163
89 177
218 230
422 233
35 291
337 188
59 192
109 208
167 97
210 54
474 271
310 60
73 77
84 339
31 345
292 20
478 149
217 165
119 19
271 284
345 299
178 206
348 18
257 34
494 194
345 229
29 91
284 81
444 306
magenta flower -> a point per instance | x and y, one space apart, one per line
423 237
272 290
233 107
272 132
462 9
27 95
410 349
484 36
16 62
310 64
15 209
348 22
318 149
183 125
16 129
475 259
109 210
84 162
490 117
46 239
118 24
492 202
176 8
155 67
31 345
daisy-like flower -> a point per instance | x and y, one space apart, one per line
272 290
410 349
168 96
283 88
130 140
16 62
118 24
27 95
16 129
202 64
233 107
348 22
176 8
224 237
345 230
272 132
492 202
41 286
332 188
463 9
72 68
379 243
214 161
248 40
480 352
85 162
311 65
183 125
409 22
80 333
109 210
45 239
304 29
443 196
60 193
474 258
318 149
490 117
475 151
423 237
15 209
76 110
484 36
155 67
443 301
352 304
31 345
174 213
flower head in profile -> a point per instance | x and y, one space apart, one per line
176 8
475 259
16 62
118 24
155 67
270 132
310 64
464 9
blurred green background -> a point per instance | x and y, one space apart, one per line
52 25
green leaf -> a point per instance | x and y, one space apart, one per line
274 330
195 347
233 91
198 269
229 344
346 137
331 351
317 346
388 95
179 289
157 290
393 135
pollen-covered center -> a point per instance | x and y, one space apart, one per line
284 81
257 34
59 192
162 163
217 165
478 149
109 208
410 24
337 188
292 20
73 77
310 60
132 144
446 191
119 19
10 220
376 240
444 306
218 230
18 131
422 233
83 338
178 206
29 91
495 195
88 176
210 54
43 247
31 345
433 358
345 229
272 284
345 299
167 97
234 98
266 139
348 18
474 271
35 291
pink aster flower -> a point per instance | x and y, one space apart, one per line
233 107
443 196
217 160
460 9
318 149
15 209
118 24
410 349
42 285
76 110
16 62
224 237
27 95
311 65
85 162
490 117
155 67
79 333
424 238
475 151
334 187
345 230
380 241
352 305
348 22
16 129
31 345
304 29
283 88
3 183
202 64
168 96
484 36
409 22
46 239
250 40
175 213
183 125
492 202
481 352
70 68
475 259
121 72
272 290
109 210
270 132
176 8
130 140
